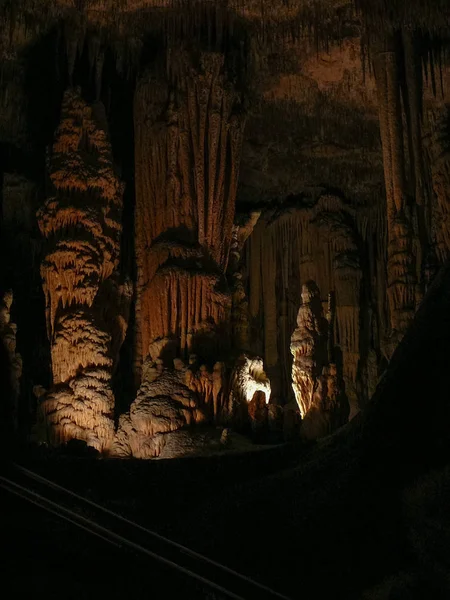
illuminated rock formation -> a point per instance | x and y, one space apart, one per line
318 390
168 400
308 347
188 134
403 243
81 223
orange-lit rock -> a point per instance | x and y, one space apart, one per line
82 225
8 331
188 135
288 248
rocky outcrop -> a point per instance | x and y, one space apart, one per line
82 224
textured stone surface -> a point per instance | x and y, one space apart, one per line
317 386
82 225
340 176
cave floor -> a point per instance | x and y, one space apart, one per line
301 520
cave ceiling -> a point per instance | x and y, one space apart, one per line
312 109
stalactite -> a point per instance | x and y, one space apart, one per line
81 223
438 151
315 381
247 379
188 135
339 228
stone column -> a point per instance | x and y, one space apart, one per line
85 304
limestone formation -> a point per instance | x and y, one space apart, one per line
308 347
405 220
82 225
287 249
169 399
189 131
339 229
315 381
340 176
185 201
438 148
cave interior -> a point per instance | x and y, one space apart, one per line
225 232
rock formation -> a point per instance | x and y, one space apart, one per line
189 131
81 222
188 136
309 345
438 148
340 177
315 380
248 380
403 254
8 331
287 249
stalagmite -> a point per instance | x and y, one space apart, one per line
81 223
308 347
438 147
